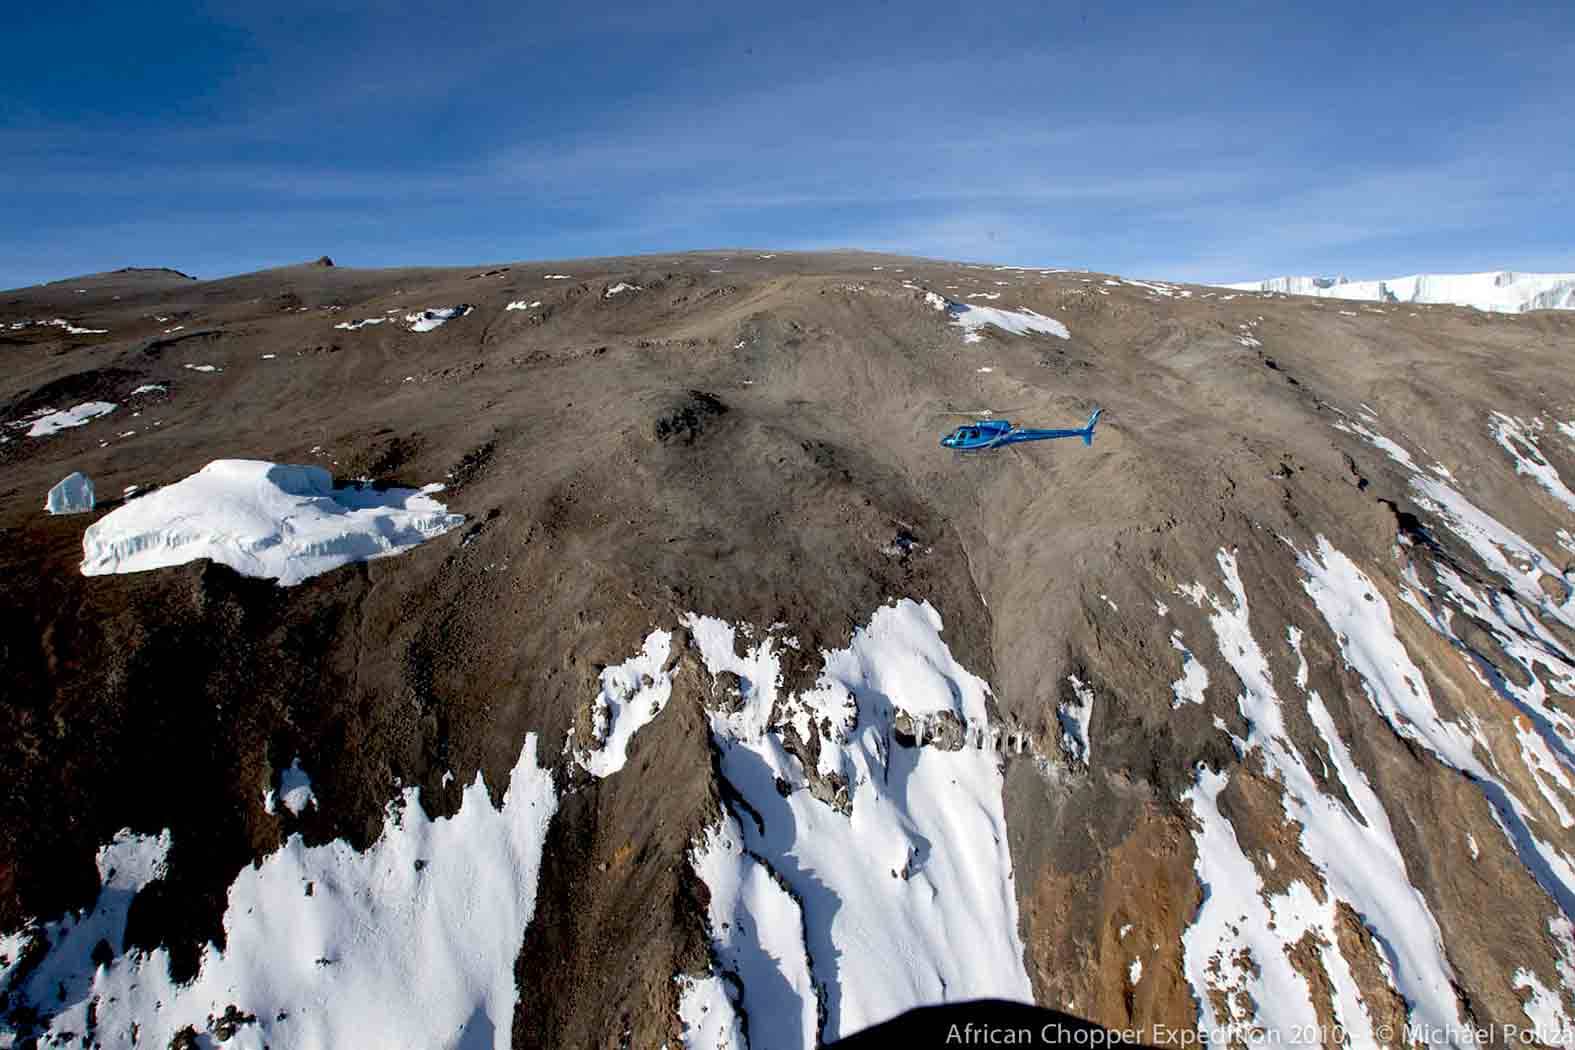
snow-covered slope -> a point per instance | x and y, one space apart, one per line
324 946
1236 942
863 868
272 520
839 895
1503 291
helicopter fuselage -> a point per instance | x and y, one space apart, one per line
984 434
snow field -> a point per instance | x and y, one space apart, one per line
449 901
280 522
427 320
48 422
1354 852
911 862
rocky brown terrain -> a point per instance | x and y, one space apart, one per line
1279 671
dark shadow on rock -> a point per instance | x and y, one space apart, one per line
982 1022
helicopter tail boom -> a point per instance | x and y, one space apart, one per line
1087 433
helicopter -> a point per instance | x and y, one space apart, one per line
984 434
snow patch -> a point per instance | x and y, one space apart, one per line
632 693
72 329
1519 438
1157 288
1075 716
427 320
50 423
1189 688
973 318
275 521
1545 1009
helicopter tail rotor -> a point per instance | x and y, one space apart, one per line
1088 431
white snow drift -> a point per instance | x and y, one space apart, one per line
1075 717
71 329
426 320
972 318
1194 680
47 423
1519 437
632 693
271 520
1500 292
323 945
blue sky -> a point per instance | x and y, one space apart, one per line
1188 141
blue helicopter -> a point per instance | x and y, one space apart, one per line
984 434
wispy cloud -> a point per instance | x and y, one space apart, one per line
1206 146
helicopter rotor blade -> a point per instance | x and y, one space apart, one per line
977 413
